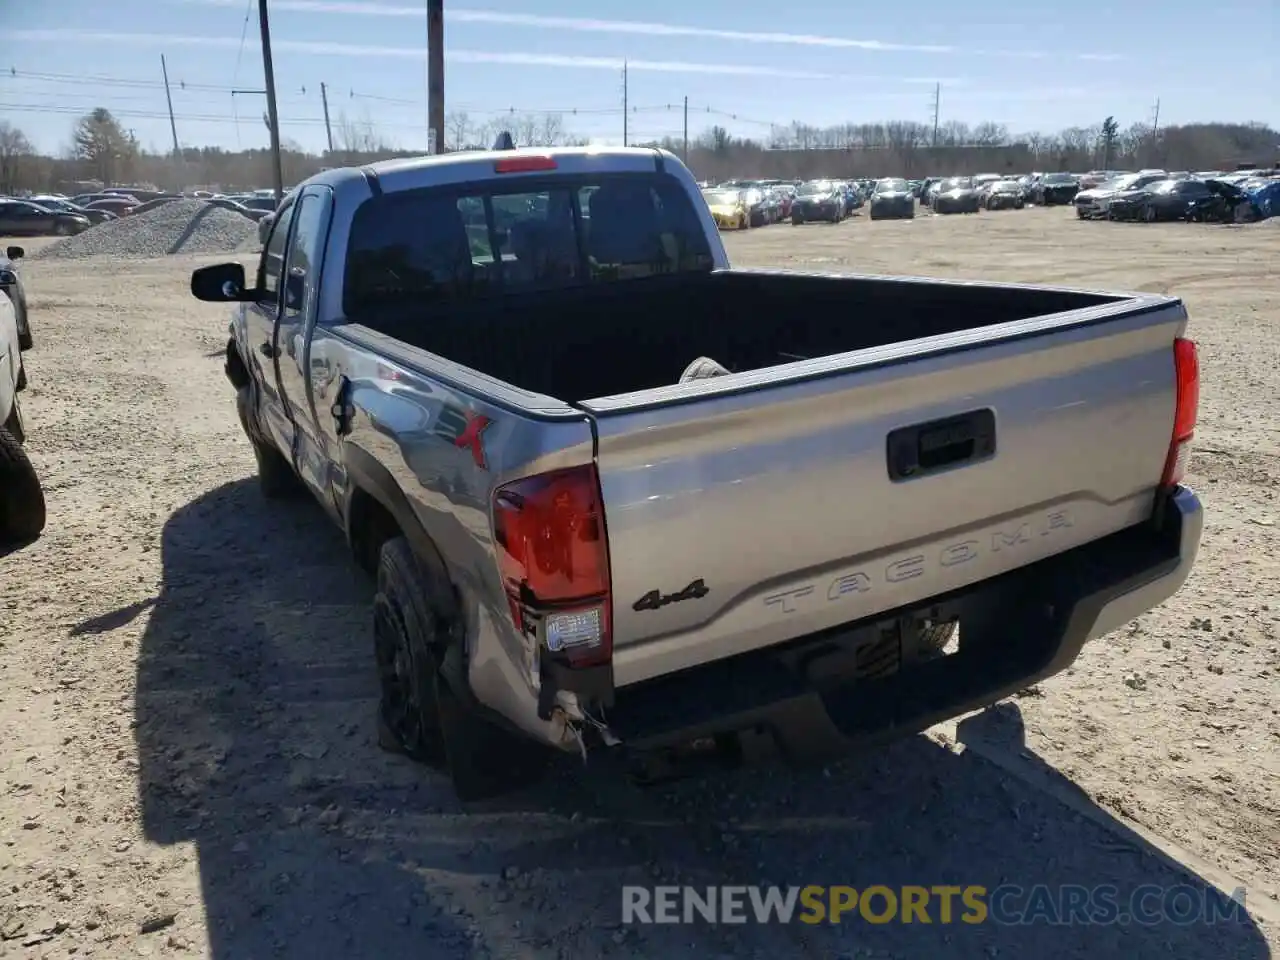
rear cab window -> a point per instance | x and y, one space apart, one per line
472 241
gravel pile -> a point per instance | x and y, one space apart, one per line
183 226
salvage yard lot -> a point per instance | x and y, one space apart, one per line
186 694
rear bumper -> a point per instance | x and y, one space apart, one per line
1015 630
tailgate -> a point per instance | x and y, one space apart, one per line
753 509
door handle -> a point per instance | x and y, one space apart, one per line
267 350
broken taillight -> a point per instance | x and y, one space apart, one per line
1186 365
553 557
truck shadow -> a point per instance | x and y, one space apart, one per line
255 697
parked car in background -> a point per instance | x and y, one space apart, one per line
120 206
63 205
728 208
956 195
21 218
891 199
154 204
1003 195
1054 188
818 200
786 195
1171 199
1094 202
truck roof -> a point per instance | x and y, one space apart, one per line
408 172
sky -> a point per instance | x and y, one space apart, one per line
1034 65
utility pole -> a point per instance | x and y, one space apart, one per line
173 127
328 130
937 105
686 131
435 75
625 109
273 118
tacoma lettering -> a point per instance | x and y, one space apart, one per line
920 564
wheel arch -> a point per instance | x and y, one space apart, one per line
377 509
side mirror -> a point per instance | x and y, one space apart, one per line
220 283
8 278
15 253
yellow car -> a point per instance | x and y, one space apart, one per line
728 208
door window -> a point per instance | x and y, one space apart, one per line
272 264
304 252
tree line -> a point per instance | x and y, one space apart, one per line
103 152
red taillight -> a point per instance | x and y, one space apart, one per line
1186 366
554 560
525 164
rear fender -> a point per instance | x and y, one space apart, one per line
367 477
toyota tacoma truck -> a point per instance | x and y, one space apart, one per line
874 504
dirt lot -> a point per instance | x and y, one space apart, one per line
187 765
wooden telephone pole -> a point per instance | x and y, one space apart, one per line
435 74
273 118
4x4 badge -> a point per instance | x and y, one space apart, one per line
656 599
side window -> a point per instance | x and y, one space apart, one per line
272 265
304 252
1193 188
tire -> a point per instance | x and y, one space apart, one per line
419 714
1150 214
796 219
61 230
25 340
406 634
21 383
22 507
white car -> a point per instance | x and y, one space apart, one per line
22 510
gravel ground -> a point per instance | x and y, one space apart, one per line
187 758
180 227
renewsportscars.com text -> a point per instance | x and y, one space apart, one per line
1064 904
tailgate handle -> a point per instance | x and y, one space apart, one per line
925 448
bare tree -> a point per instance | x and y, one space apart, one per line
458 129
15 154
551 130
524 128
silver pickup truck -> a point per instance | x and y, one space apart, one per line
899 500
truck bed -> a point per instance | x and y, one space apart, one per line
942 434
619 338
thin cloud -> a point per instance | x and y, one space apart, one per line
325 48
641 28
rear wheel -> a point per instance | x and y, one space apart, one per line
61 229
419 714
796 219
1150 214
22 507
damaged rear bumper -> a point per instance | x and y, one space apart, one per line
1015 630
